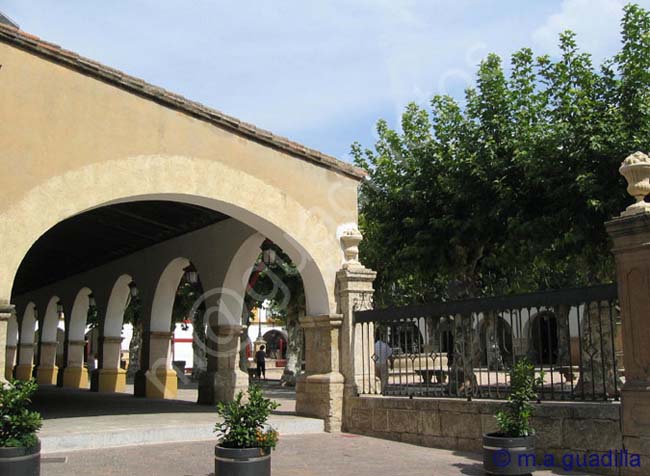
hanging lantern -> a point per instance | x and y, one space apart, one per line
269 256
191 275
133 290
59 309
91 300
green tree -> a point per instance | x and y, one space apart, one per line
508 192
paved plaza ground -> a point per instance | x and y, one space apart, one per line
297 455
78 419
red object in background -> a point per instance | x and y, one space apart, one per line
249 353
281 363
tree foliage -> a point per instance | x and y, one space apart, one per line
280 284
509 191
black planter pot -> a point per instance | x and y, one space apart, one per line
20 461
241 462
506 456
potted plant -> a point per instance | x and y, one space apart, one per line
245 438
502 450
20 449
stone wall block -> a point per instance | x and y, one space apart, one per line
591 435
548 431
464 425
380 419
429 423
402 421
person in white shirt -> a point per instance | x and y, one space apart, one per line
383 353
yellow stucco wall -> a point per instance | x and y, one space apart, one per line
69 142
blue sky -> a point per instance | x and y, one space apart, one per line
318 72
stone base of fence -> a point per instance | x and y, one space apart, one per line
574 428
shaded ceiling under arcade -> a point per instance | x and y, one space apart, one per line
96 237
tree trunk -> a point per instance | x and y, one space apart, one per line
466 350
134 352
563 336
599 377
294 351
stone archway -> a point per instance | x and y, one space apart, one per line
112 139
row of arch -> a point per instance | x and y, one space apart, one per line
538 333
32 333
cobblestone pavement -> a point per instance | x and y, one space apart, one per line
297 455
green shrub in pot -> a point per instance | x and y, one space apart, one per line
19 445
245 438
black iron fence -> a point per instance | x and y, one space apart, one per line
466 348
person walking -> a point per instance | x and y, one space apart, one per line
260 360
383 353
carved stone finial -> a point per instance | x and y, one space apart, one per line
350 240
636 170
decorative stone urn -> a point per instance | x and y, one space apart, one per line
636 170
350 240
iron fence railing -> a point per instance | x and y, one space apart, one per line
465 348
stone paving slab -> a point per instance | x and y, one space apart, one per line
79 419
297 455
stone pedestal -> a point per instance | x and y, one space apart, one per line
10 362
5 313
75 375
25 367
47 371
111 377
224 377
319 391
631 239
161 381
111 380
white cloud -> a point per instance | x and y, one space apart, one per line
596 23
319 72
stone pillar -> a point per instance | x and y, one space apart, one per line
630 234
355 292
224 377
333 344
111 377
47 371
319 391
10 361
75 375
161 379
25 367
6 311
